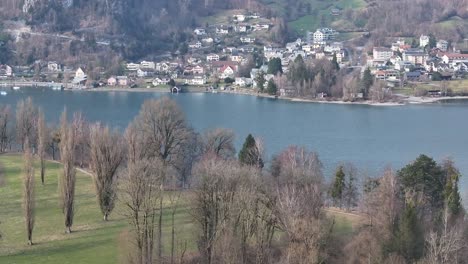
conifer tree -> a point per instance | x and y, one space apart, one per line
271 87
366 82
249 154
338 186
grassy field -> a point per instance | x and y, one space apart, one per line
92 240
457 86
322 11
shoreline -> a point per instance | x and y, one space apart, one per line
405 100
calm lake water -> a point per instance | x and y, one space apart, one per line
371 137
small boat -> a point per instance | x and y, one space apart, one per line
3 93
16 88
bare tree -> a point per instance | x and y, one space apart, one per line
5 116
220 142
163 131
42 135
26 120
141 193
299 204
28 192
212 197
444 247
381 204
54 142
107 154
233 210
68 178
82 141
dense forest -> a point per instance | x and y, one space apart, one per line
134 28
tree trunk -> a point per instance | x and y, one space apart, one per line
68 230
160 227
106 217
42 170
172 238
30 243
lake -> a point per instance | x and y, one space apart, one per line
371 137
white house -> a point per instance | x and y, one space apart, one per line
53 66
196 80
141 73
423 41
199 31
324 34
212 57
227 72
198 70
237 58
80 77
80 74
258 27
133 66
195 45
162 67
239 18
5 71
147 65
381 53
222 30
241 28
442 45
208 40
243 82
247 40
333 47
160 81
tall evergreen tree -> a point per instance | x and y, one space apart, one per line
366 82
335 62
425 178
432 41
271 87
260 80
338 186
451 192
250 154
410 237
274 66
298 71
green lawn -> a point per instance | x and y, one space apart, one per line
456 86
93 240
313 21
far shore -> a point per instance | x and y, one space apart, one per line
403 99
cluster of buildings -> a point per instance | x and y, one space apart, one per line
242 27
201 69
402 62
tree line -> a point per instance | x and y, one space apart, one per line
244 209
310 79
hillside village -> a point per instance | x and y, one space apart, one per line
233 55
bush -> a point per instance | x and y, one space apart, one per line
228 80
